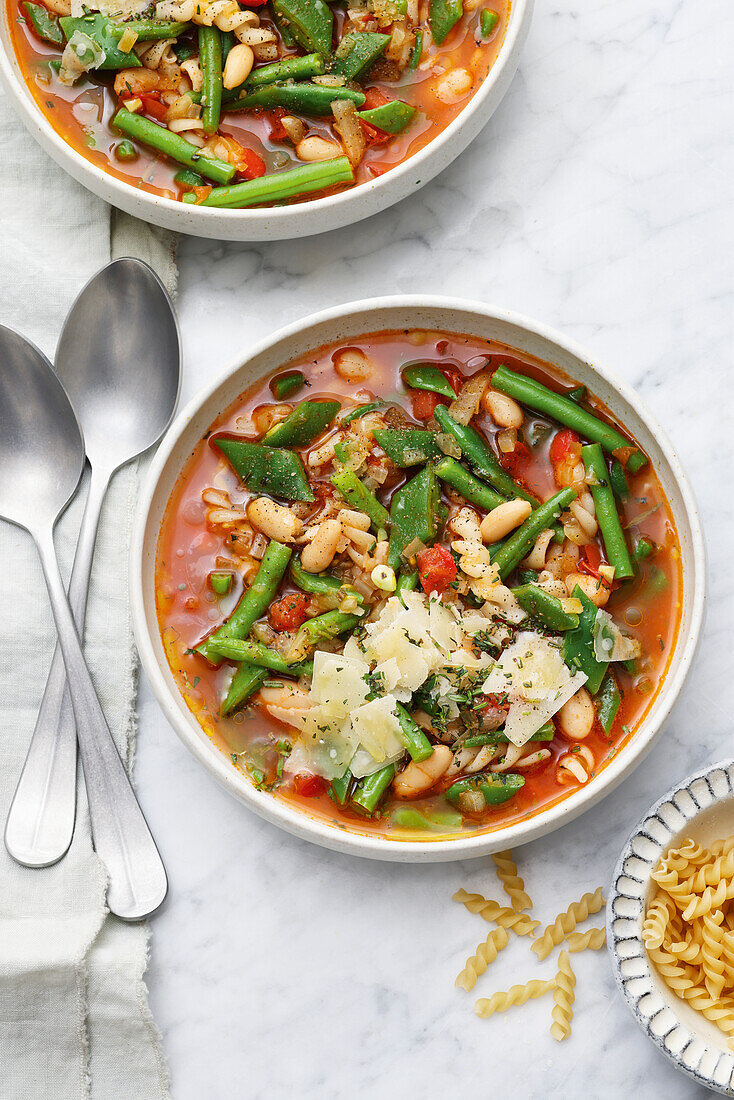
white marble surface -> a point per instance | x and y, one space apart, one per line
599 199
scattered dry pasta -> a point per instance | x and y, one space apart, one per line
513 885
490 910
566 922
563 998
485 954
592 940
515 995
687 929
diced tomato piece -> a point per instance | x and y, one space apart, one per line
373 135
152 105
202 193
590 560
274 116
308 785
290 612
565 444
252 3
379 169
436 568
247 162
455 377
373 97
424 403
516 462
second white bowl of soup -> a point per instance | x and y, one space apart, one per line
540 530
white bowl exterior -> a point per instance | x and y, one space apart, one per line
302 219
346 322
694 1044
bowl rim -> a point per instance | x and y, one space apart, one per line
299 218
300 823
648 830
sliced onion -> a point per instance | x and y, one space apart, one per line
347 125
507 440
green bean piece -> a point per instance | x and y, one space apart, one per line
371 789
270 470
360 498
526 576
417 50
407 446
415 740
310 23
407 817
320 584
478 453
339 789
426 376
255 653
187 178
618 480
150 30
126 151
537 396
407 582
606 511
245 683
361 410
521 541
657 581
488 21
392 118
546 733
228 41
306 423
285 385
578 646
254 602
289 68
414 514
495 789
608 701
279 185
470 487
220 582
323 628
642 549
44 23
443 15
185 50
210 59
158 137
302 98
544 607
99 29
357 52
577 395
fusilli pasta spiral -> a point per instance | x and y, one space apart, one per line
566 922
513 885
563 998
490 910
592 940
485 954
515 995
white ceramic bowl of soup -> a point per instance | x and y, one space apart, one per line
346 323
279 223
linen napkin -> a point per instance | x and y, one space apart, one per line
74 1017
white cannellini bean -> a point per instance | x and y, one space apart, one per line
505 412
420 776
238 65
503 519
597 592
274 520
353 365
453 85
577 716
318 554
350 517
317 148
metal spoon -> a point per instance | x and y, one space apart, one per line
41 460
119 359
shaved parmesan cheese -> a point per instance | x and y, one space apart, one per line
610 644
327 742
535 678
378 730
338 683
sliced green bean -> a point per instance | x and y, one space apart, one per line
416 742
302 98
339 789
495 789
519 544
245 683
471 488
443 15
642 549
126 151
284 385
578 645
310 23
427 376
306 423
478 453
392 118
544 607
618 480
289 68
414 514
407 446
150 30
407 582
323 628
488 21
254 602
537 396
210 59
356 495
546 733
180 150
356 52
220 582
361 410
99 28
606 511
45 23
255 653
371 789
320 584
274 187
417 50
272 470
187 178
608 701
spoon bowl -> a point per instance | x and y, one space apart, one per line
41 444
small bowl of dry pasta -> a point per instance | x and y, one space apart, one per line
670 926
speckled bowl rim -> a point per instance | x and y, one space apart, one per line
656 1014
344 322
288 222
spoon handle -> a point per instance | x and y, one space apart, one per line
137 878
40 822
